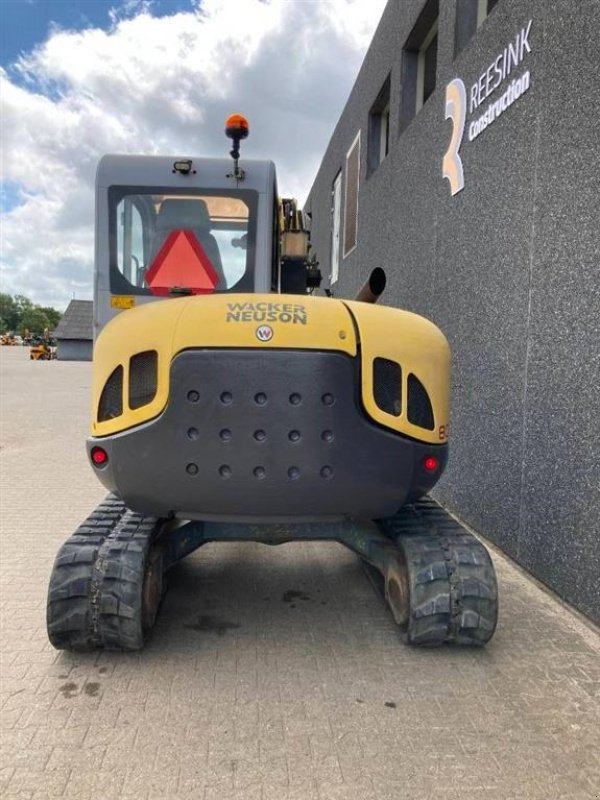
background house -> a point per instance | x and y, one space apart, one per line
74 332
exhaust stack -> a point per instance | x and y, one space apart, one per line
373 288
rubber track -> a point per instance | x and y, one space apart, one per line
117 582
453 590
68 611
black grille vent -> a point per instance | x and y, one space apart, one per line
111 399
387 386
420 411
142 378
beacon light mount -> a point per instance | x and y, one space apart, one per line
236 129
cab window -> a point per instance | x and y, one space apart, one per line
130 242
162 242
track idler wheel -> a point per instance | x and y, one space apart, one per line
397 589
152 588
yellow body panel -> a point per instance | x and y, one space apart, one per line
231 320
311 323
420 348
289 322
149 327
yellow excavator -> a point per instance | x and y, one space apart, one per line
42 348
230 403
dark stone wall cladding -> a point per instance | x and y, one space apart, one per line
509 268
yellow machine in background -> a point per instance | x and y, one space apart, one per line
8 340
230 404
41 349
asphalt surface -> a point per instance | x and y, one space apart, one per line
273 673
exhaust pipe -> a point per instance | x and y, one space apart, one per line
372 290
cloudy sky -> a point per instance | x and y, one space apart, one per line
80 78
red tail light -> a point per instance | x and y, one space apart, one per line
99 456
431 463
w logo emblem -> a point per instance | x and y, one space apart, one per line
264 333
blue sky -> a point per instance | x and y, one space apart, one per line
82 78
26 23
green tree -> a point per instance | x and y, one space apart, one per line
52 315
34 320
9 314
22 303
19 314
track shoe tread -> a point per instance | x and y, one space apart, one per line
118 581
68 612
451 579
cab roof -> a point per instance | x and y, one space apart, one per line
154 171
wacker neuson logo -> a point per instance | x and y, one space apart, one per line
266 312
494 77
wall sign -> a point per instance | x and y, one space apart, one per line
494 77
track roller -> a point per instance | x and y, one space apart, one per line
440 583
106 584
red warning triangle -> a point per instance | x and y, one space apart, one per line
182 262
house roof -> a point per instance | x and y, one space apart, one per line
77 321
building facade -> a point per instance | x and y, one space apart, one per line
466 163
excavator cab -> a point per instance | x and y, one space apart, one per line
173 227
162 232
165 232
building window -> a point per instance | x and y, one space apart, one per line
351 196
419 63
484 9
379 128
336 214
470 14
426 67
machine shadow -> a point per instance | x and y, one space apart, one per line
253 593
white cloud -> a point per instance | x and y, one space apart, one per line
164 85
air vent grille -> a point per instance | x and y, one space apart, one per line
143 369
420 411
387 386
111 399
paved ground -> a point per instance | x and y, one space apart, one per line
247 693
